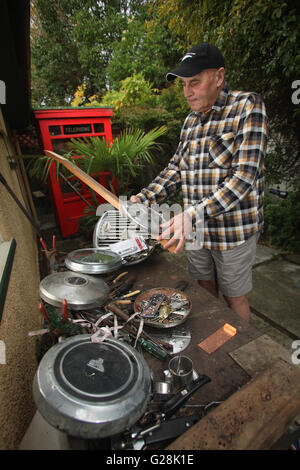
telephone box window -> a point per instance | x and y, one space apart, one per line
99 127
61 146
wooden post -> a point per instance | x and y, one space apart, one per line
25 180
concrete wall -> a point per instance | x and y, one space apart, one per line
21 314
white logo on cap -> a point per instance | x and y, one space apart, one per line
188 55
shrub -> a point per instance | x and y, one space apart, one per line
282 222
134 90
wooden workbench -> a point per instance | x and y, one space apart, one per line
208 314
260 398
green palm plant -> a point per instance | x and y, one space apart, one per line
125 157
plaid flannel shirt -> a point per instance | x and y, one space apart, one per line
219 163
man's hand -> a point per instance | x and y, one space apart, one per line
176 230
180 227
134 199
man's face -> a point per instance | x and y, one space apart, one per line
202 90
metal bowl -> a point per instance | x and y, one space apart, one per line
168 292
93 261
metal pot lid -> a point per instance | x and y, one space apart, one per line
93 261
92 390
80 290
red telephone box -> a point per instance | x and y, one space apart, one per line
57 127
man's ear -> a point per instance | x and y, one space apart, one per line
220 76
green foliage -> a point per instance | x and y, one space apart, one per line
137 105
127 46
71 43
147 46
167 108
282 222
134 90
88 221
56 70
260 43
38 167
57 327
125 157
128 159
96 27
95 43
265 36
282 160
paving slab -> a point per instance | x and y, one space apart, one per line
276 294
264 254
280 338
293 258
260 353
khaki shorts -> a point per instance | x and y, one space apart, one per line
231 269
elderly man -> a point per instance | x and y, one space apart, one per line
219 163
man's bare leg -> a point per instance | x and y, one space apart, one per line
210 286
239 305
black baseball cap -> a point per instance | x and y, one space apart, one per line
200 57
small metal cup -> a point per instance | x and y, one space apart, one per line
162 388
181 368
